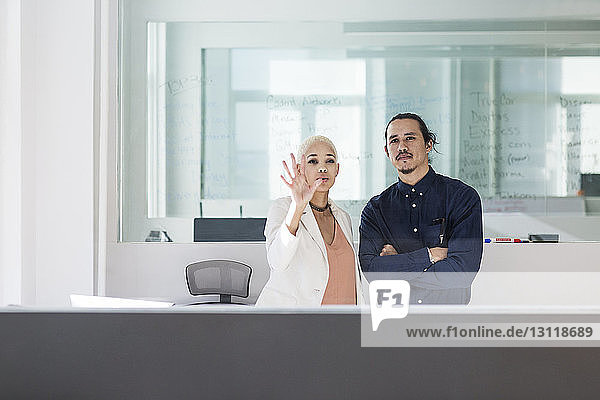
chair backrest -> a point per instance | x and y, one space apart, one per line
223 277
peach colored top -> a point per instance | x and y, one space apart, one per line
341 287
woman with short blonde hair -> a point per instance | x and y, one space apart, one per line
309 238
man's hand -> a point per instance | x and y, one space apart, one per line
388 250
438 253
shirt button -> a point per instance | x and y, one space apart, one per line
406 195
419 301
414 230
413 189
420 194
414 205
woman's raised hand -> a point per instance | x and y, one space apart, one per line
302 190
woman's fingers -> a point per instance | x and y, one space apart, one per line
302 165
288 170
294 164
286 182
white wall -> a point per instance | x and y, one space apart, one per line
48 176
10 152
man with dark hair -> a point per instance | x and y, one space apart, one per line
426 228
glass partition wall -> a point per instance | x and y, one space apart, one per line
209 110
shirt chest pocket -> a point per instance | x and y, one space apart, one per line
431 235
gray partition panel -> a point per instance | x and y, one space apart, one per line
263 356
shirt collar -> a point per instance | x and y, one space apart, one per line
420 187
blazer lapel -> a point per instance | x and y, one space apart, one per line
310 224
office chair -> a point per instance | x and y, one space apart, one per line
223 277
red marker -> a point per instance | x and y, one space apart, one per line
505 240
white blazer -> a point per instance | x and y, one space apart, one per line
298 264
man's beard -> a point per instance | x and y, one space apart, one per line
407 170
404 169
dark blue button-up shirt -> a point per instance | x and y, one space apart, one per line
436 212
